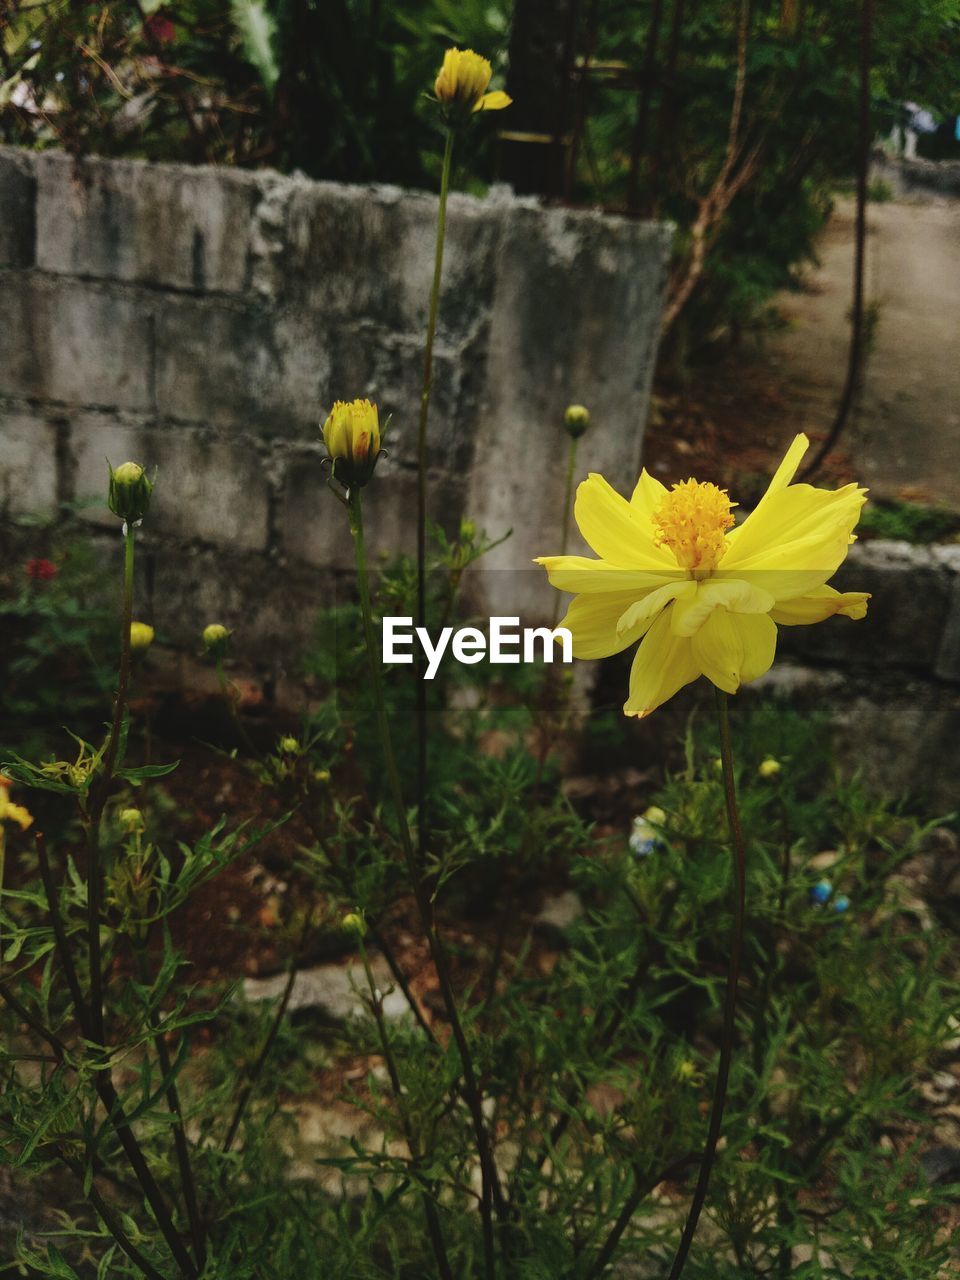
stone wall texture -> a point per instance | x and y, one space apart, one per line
202 321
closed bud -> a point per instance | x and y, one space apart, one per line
216 638
769 768
352 436
130 490
131 820
289 746
576 419
461 86
353 923
141 636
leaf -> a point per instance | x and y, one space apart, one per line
257 30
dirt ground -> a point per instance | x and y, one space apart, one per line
903 439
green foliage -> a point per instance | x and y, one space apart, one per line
909 522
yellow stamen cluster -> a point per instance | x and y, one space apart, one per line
692 521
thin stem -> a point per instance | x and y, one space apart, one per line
426 1193
421 691
99 793
733 978
60 934
567 510
232 710
187 1182
490 1185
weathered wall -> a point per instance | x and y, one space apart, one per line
202 321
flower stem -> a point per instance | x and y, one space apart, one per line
471 1090
567 509
733 978
426 1192
99 793
421 692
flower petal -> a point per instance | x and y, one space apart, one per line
495 101
731 648
648 606
646 498
581 574
664 663
734 595
592 623
613 530
819 605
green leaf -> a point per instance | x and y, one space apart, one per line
257 30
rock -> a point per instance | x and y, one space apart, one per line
332 992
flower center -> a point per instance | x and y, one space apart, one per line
692 521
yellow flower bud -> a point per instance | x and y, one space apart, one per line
131 820
576 419
141 636
655 815
353 923
289 746
215 640
352 436
462 82
769 768
130 490
10 812
321 775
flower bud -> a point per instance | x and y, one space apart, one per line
461 85
141 636
131 820
352 436
576 419
289 746
655 815
353 923
130 490
769 768
216 638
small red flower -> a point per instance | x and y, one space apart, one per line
41 570
160 28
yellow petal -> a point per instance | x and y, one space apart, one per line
819 605
592 623
730 648
581 574
648 606
647 496
664 663
737 596
495 101
613 530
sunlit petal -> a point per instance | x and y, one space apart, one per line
819 605
663 664
580 573
592 623
611 528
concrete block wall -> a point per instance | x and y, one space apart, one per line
202 321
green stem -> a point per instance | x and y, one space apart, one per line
232 710
421 691
567 509
733 978
426 1192
99 793
490 1186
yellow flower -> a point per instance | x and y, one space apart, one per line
769 768
141 636
462 83
10 812
702 596
352 436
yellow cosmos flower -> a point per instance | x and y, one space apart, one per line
462 83
703 596
352 436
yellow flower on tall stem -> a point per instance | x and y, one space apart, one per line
702 595
462 83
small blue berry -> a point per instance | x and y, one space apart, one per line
821 891
841 902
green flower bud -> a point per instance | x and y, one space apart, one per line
289 746
216 638
141 636
130 490
131 820
353 923
576 419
